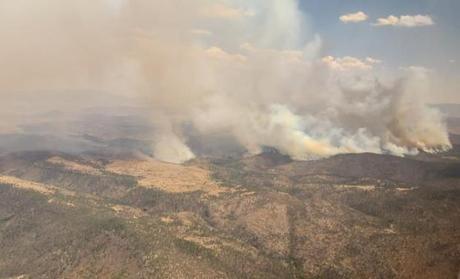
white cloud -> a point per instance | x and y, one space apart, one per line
222 11
406 21
350 63
217 53
371 60
452 61
418 71
354 17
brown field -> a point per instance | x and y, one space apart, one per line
168 177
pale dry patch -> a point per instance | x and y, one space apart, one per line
46 189
453 158
28 185
168 177
245 194
68 204
128 211
406 189
204 241
167 219
390 230
73 166
357 187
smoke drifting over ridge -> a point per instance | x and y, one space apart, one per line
248 68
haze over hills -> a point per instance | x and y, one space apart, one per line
451 110
452 113
127 129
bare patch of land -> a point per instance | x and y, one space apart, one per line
168 177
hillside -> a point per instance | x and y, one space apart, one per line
349 216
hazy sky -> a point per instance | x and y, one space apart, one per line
308 77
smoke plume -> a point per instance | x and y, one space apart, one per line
253 69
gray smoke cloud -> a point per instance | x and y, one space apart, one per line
252 69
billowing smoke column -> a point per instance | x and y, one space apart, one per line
249 68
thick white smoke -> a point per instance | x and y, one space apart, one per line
251 68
